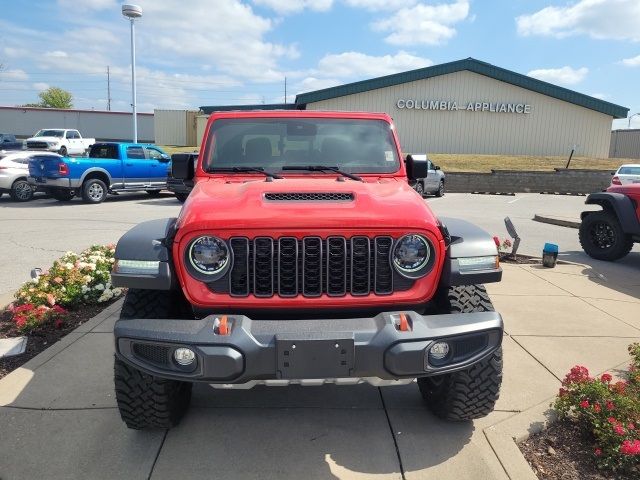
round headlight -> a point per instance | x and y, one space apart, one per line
411 255
209 255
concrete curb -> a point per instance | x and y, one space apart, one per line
560 221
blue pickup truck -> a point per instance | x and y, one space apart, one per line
109 168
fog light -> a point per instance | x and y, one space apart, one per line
439 350
184 356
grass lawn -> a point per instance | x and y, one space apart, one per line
486 163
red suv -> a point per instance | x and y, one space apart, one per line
303 256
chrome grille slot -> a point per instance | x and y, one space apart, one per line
336 266
312 266
263 271
288 267
383 270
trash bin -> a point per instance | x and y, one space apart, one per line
549 255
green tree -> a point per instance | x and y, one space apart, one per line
55 97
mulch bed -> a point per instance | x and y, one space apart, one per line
40 339
564 452
519 259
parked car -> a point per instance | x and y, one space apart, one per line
626 175
433 183
181 188
9 142
14 170
303 256
109 168
609 234
61 140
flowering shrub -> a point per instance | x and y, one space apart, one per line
504 245
73 280
27 316
609 410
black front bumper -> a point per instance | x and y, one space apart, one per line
307 349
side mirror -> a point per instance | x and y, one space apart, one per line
417 166
164 158
182 166
436 167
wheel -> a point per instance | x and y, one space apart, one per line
182 197
440 191
62 194
146 401
21 191
602 237
94 191
419 187
154 193
63 151
470 393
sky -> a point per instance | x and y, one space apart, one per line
225 52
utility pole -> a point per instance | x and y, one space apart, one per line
108 90
285 90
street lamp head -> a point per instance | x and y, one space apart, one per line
131 11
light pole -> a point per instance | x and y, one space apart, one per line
132 12
629 125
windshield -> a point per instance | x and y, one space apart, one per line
629 171
356 146
50 133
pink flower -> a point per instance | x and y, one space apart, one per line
597 452
606 378
610 405
58 280
496 240
51 300
629 448
584 404
619 429
596 407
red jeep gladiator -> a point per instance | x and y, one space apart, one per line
302 256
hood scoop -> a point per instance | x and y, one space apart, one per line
309 197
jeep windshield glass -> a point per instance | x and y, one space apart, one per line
50 133
351 145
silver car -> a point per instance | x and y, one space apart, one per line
433 183
14 169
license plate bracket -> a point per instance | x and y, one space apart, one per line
314 355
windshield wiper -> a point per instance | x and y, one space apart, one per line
323 168
244 169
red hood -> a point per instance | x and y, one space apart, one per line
240 204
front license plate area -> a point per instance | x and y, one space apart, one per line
315 355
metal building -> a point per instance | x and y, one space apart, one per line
101 125
175 127
473 107
625 143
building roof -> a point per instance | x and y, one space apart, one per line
269 106
471 65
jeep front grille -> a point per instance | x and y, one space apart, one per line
312 266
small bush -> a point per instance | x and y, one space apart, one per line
72 281
608 410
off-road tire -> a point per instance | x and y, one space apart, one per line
146 401
62 194
470 393
440 191
419 187
21 191
94 190
182 197
63 151
602 224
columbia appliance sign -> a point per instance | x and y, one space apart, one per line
448 106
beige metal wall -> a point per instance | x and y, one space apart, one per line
552 127
175 127
625 144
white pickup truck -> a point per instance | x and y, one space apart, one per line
61 140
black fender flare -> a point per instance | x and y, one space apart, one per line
150 242
619 204
468 240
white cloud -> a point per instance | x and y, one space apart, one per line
632 62
40 86
601 96
310 84
13 52
381 4
88 4
294 6
563 76
601 19
13 75
356 64
423 24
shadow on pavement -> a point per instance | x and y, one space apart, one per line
45 201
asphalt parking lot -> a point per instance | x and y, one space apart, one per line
34 234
